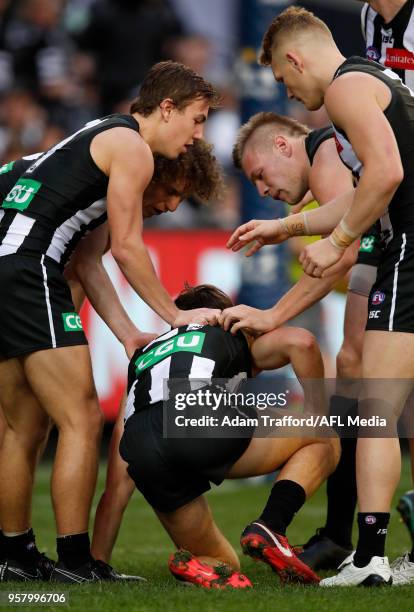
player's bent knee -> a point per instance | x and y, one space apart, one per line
305 341
331 448
88 420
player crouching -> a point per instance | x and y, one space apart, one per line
173 473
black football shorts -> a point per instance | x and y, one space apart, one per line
391 300
36 308
171 472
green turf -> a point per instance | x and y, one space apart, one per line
143 548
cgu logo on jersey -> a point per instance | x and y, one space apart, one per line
71 322
21 194
190 342
367 244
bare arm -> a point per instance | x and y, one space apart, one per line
328 178
87 264
263 232
375 146
130 165
119 488
373 141
128 161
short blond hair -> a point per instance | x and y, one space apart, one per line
292 21
265 122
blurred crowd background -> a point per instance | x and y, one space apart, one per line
64 62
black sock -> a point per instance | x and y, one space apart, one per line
21 548
341 486
74 550
285 499
372 534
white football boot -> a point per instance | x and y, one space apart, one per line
402 571
376 573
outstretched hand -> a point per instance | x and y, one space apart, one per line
259 233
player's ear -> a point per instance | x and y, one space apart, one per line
283 146
166 107
295 60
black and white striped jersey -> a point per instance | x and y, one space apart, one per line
59 197
314 140
11 172
190 353
391 44
400 114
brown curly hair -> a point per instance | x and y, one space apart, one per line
294 19
198 167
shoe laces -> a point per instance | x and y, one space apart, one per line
400 562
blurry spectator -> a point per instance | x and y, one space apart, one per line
42 53
126 37
22 123
217 22
193 50
6 59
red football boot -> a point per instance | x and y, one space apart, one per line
186 567
259 542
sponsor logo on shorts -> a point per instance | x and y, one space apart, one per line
191 342
374 314
6 168
372 53
377 298
400 59
370 519
21 194
71 322
367 244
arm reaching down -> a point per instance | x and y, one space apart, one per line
128 161
87 265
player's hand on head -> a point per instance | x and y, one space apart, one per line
199 316
255 234
137 340
244 317
318 257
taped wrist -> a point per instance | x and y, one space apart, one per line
342 237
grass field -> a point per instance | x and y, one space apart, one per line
143 548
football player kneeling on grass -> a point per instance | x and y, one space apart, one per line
173 473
